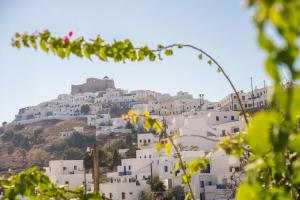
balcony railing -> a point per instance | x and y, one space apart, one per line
125 173
221 186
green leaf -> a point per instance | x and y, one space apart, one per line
157 147
168 52
246 192
168 149
209 62
17 35
259 132
200 56
102 54
18 44
160 46
86 52
43 46
180 46
152 57
60 52
147 125
157 127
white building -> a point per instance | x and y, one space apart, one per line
69 172
213 182
98 120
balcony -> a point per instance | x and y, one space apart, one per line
206 170
221 186
124 173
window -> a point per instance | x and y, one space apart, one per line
236 130
140 141
67 182
149 156
217 118
64 168
110 195
123 195
75 167
232 117
129 167
145 156
209 183
225 117
157 162
243 97
149 140
166 168
202 184
223 132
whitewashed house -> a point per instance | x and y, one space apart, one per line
214 182
69 172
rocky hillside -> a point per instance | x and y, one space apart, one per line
22 146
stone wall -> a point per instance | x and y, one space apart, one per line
93 85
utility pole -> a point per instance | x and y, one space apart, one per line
151 176
264 83
201 98
252 92
84 178
96 167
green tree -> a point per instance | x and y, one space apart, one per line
72 153
8 135
146 195
175 193
157 185
116 158
85 109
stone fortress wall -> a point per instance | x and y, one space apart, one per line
93 85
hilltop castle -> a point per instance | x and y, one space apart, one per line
93 85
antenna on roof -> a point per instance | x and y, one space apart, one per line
252 92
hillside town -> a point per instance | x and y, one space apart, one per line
200 125
98 99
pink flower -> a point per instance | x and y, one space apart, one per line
65 39
70 33
45 30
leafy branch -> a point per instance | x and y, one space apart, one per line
118 51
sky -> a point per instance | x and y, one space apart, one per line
222 28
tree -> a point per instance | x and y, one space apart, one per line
146 195
157 185
128 125
116 159
85 109
8 135
175 193
18 127
72 153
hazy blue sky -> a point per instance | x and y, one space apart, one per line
223 28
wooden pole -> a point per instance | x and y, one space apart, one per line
96 167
